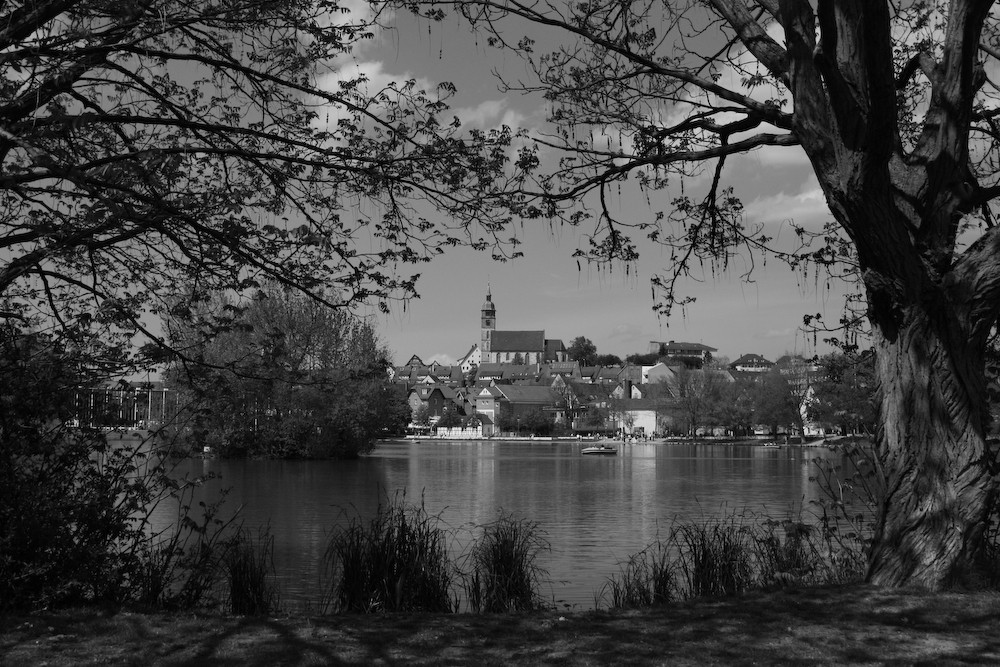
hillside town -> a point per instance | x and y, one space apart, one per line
520 382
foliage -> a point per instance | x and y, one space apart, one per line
449 418
74 506
422 416
583 351
735 407
774 404
397 562
215 146
181 568
287 377
537 422
649 359
845 396
501 571
696 395
607 360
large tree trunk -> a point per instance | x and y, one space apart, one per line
939 474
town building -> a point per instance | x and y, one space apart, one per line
679 350
751 363
521 347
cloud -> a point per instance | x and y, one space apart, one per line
807 207
441 358
777 333
490 114
626 332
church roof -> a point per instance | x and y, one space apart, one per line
517 341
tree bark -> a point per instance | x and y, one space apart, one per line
939 474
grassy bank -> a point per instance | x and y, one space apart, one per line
852 625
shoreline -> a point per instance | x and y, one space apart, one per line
828 441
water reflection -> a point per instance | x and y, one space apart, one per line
595 510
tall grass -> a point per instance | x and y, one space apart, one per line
646 579
729 555
716 557
396 562
249 566
503 572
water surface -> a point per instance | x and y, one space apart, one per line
596 511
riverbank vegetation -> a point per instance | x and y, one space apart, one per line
286 377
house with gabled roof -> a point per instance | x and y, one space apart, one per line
678 349
751 363
565 369
510 401
436 397
608 375
472 359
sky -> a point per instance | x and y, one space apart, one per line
611 306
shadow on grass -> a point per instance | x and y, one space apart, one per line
832 625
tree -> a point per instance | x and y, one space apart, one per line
696 394
422 415
844 396
289 377
892 106
649 359
449 418
607 360
774 402
735 407
582 350
157 147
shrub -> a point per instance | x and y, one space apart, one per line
181 567
396 562
504 574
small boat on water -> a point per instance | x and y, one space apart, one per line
600 450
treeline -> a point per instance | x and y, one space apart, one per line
282 376
836 391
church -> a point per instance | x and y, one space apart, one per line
528 347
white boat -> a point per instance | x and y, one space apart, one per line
600 450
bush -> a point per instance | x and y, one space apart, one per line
504 575
74 508
396 562
181 568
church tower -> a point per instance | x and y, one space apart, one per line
488 324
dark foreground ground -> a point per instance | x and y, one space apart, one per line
833 626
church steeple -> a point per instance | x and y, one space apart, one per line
488 323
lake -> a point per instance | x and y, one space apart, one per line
595 511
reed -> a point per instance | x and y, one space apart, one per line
715 557
249 567
397 561
503 572
646 579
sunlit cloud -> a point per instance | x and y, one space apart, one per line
777 333
441 358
